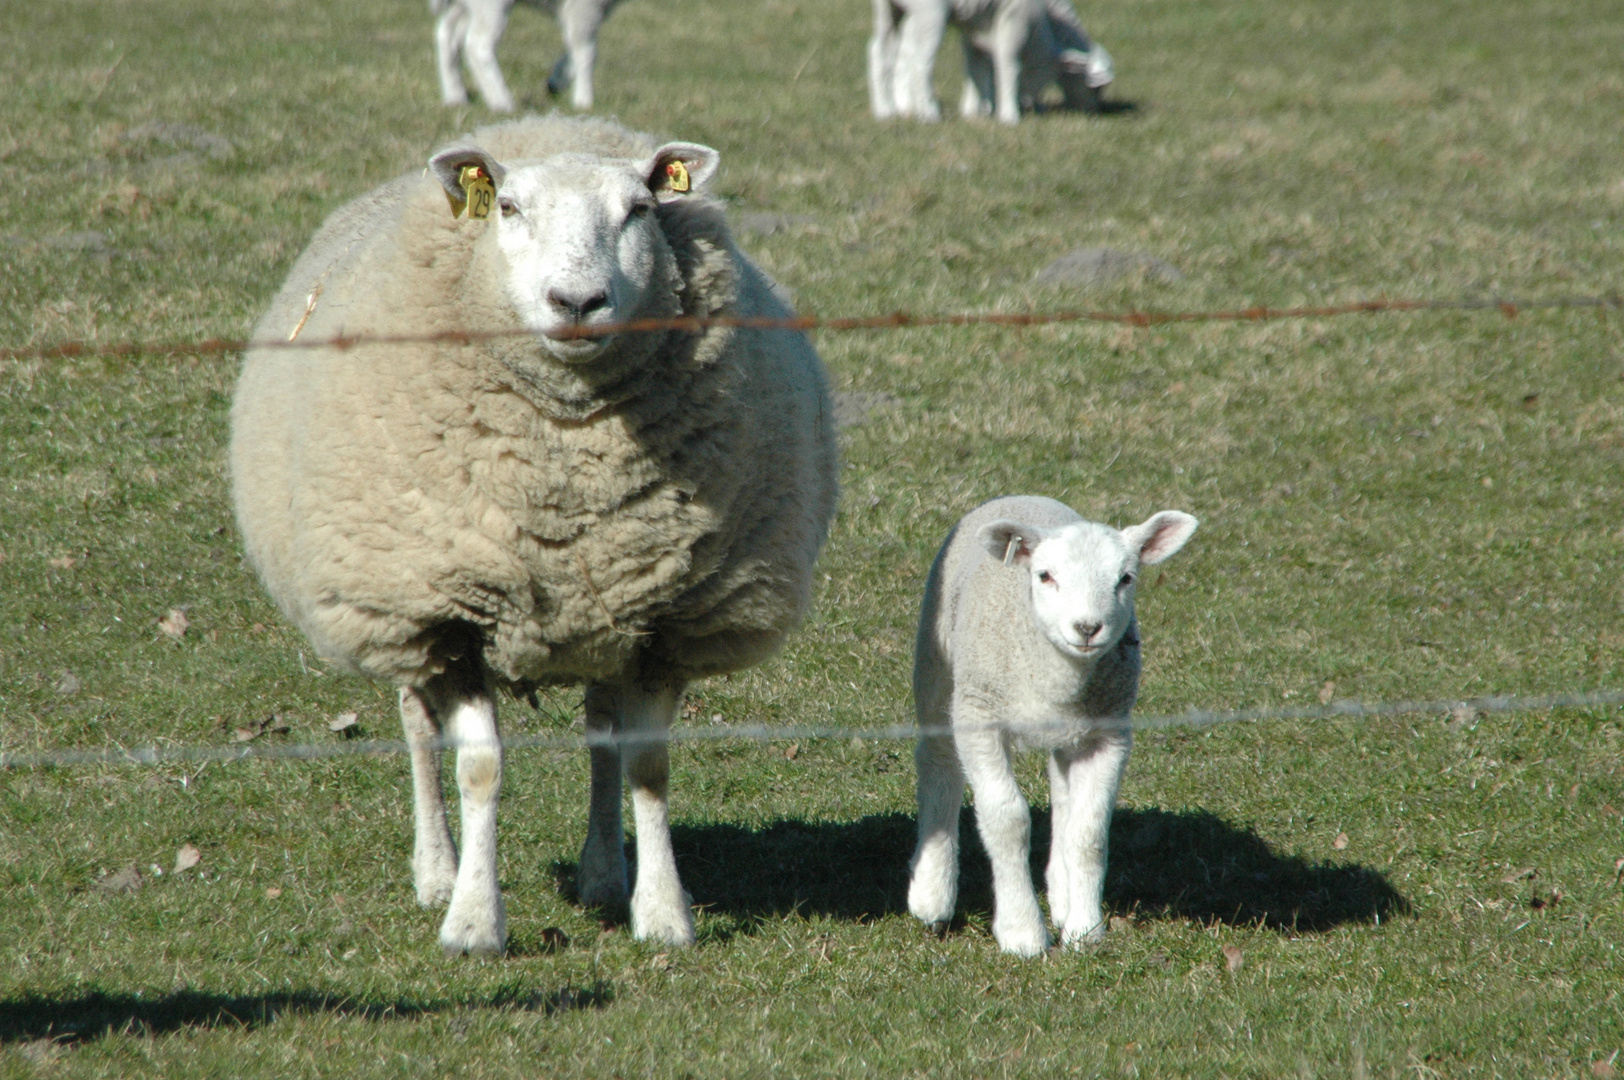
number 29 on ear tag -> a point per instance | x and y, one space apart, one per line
478 190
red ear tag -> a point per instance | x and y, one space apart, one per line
677 179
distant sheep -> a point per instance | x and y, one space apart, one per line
516 506
1027 637
1013 50
475 26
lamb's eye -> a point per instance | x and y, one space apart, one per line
1127 579
1046 577
508 207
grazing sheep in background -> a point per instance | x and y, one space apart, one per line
1027 636
519 508
1013 50
476 26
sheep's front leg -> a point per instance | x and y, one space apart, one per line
882 62
476 921
660 908
434 856
1093 773
1059 814
487 21
1005 824
921 36
1006 73
933 880
602 880
449 33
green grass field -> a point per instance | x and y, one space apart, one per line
1394 507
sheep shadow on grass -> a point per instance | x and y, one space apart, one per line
1188 864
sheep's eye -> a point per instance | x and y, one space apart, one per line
508 207
1046 577
639 210
1127 579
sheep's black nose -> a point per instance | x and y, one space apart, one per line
1086 630
578 306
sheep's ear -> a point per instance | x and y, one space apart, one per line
680 168
448 165
1010 542
1160 536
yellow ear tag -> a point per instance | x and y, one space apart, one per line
677 179
478 190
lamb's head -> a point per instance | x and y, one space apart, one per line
579 233
1083 574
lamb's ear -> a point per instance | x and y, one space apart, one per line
680 168
1160 535
447 167
1010 542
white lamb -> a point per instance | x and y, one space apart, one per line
1013 50
473 28
1027 637
485 502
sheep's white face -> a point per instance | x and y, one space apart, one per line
580 241
579 234
1083 575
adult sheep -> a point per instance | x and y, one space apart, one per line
520 507
472 28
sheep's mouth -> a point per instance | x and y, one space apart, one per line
576 350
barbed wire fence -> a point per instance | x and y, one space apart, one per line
1463 709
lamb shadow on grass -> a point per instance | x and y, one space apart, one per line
84 1017
1164 865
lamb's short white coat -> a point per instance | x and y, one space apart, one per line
471 29
1027 637
1013 50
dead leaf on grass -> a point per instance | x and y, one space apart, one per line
187 857
273 892
794 748
1341 841
174 624
271 725
1327 692
1604 1070
1234 959
1527 873
1618 870
344 723
128 879
68 685
66 562
41 1051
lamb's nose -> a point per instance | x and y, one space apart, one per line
577 306
1086 630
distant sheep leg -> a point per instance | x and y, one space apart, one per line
579 22
1005 824
660 908
979 91
1093 772
921 36
476 922
882 61
434 856
601 879
1009 38
933 882
449 33
488 19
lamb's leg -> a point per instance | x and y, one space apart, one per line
434 856
933 881
578 21
882 61
1059 816
601 880
921 36
487 21
1008 40
660 908
476 921
1093 770
978 83
1005 824
449 32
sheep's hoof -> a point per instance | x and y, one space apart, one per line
474 933
938 929
1078 939
1024 942
667 924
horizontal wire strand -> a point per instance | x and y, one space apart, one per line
1195 718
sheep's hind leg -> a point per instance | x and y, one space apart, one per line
601 879
448 38
476 921
933 879
1093 771
579 23
661 910
485 26
1005 824
434 856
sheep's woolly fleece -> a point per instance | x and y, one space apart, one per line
658 510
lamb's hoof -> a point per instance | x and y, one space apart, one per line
1077 938
1025 942
464 934
665 924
